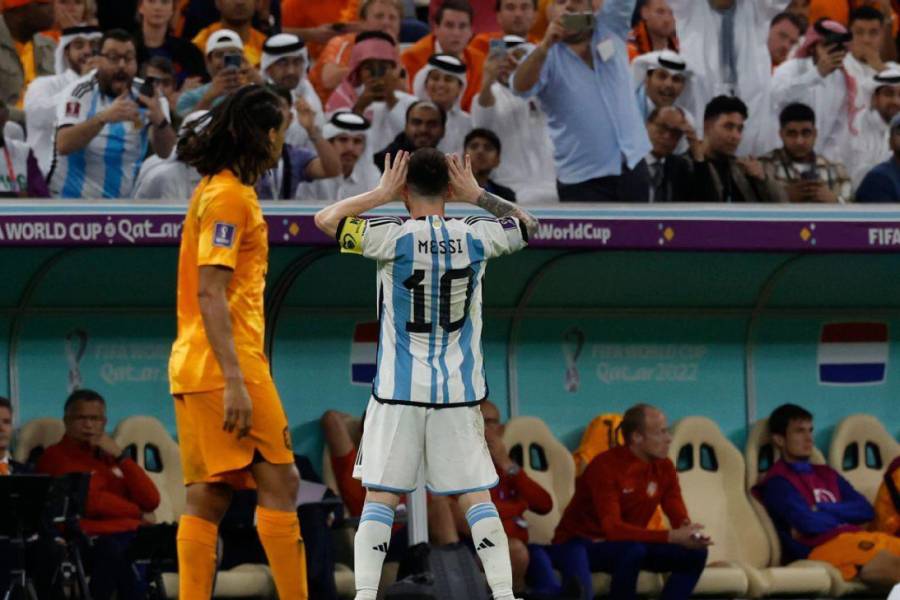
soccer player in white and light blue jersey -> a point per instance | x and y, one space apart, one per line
430 373
105 124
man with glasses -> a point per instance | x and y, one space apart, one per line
670 174
105 124
119 498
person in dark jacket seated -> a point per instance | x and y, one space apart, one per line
425 123
483 148
882 184
817 513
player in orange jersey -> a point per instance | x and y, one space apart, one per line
231 425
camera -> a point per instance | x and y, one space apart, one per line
578 22
233 61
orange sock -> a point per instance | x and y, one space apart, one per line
279 532
196 558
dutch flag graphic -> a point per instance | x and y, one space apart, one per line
364 353
853 353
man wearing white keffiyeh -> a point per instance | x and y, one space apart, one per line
871 144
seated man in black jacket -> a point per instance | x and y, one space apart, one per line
425 123
483 147
670 174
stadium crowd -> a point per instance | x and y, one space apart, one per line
556 100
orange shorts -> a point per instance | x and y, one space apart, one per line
850 552
212 455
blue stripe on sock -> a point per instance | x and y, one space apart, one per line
380 513
481 511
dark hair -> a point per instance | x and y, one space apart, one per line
866 13
634 421
457 5
534 3
428 174
654 114
429 104
485 134
119 35
281 93
6 403
82 396
786 16
724 105
233 135
796 113
782 416
160 63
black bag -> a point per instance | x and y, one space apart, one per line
452 574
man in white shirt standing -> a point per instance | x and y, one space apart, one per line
725 42
871 144
75 56
284 64
521 125
346 131
817 78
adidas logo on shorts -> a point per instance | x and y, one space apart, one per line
381 548
485 544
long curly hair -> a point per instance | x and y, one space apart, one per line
234 135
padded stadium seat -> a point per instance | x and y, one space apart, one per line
861 449
550 464
760 454
711 473
36 435
157 453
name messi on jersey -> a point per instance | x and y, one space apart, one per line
440 246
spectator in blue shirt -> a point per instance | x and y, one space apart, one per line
585 88
882 184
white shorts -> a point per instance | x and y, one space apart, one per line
397 437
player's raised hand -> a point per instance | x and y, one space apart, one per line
394 177
463 184
238 408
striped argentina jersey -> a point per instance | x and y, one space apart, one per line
430 273
108 166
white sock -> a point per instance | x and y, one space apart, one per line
492 547
370 546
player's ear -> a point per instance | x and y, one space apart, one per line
404 191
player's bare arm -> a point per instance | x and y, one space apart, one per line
466 189
212 295
389 188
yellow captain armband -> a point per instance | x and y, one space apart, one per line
350 235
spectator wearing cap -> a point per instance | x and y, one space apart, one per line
599 151
871 145
521 125
25 54
298 164
799 174
20 177
237 16
482 146
664 79
224 50
374 88
724 41
425 122
671 176
75 56
333 63
882 183
154 38
346 132
655 30
169 178
863 61
816 77
451 34
103 133
515 17
443 81
284 62
784 33
720 176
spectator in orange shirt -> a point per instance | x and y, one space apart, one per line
71 13
119 498
605 526
333 64
887 502
515 18
237 15
25 54
451 33
655 30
